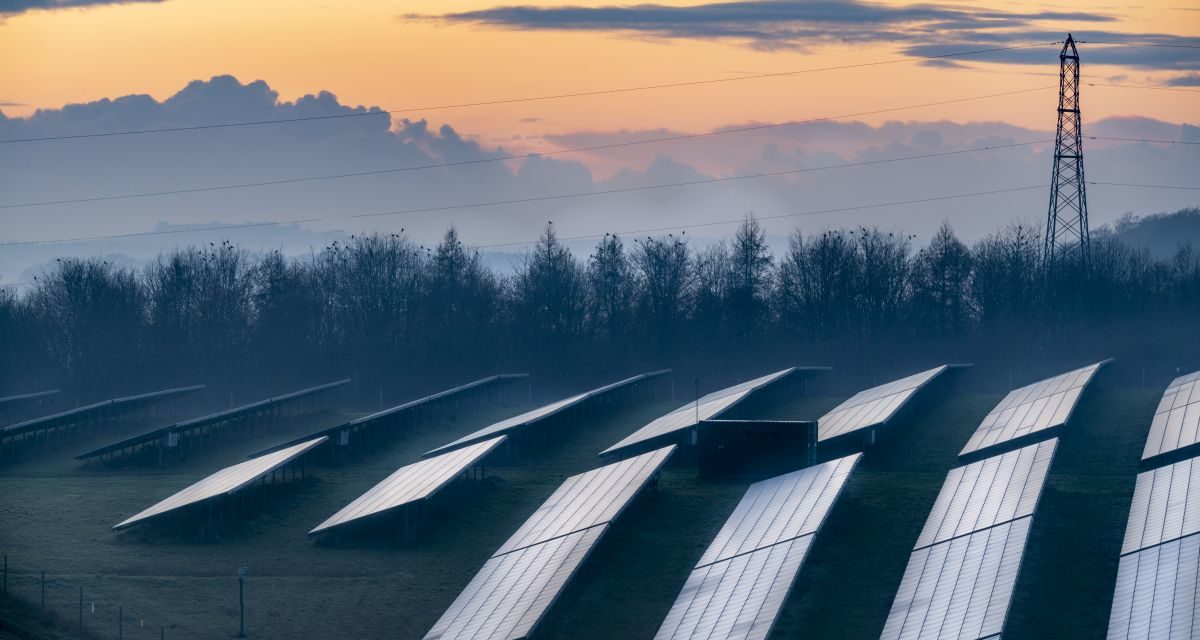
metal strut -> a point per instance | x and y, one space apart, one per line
1067 239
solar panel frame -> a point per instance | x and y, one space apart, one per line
410 483
26 397
1165 506
875 406
1032 410
780 508
1176 423
989 492
509 425
66 417
755 583
1157 593
960 589
588 499
707 407
224 482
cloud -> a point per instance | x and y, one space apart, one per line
12 7
9 103
1187 80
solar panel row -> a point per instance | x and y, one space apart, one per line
740 583
541 413
705 408
408 484
1176 423
1158 593
515 588
128 403
874 406
224 482
1164 506
960 578
1035 408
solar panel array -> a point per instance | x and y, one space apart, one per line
960 578
874 406
1156 592
1176 422
689 415
377 417
959 589
128 403
211 419
740 583
27 397
515 588
541 413
417 481
1032 409
1157 595
224 482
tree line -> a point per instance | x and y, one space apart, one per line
383 308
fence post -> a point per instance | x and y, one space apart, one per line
81 609
6 575
120 623
43 591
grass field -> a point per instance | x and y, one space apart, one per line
57 517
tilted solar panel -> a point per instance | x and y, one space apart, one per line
780 508
1037 407
1176 422
689 415
1166 506
223 482
873 406
959 589
515 588
1158 593
411 483
739 597
989 492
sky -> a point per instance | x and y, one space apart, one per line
72 67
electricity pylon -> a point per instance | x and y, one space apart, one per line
1066 223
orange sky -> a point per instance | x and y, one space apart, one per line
367 54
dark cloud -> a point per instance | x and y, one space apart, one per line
1109 48
8 103
1188 80
11 7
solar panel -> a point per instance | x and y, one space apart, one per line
512 592
874 406
26 397
1031 409
128 403
743 578
541 413
1164 507
989 492
739 597
411 483
1177 420
690 414
959 589
588 499
224 482
780 508
1157 593
515 588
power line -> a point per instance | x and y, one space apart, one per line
577 94
1140 140
1141 44
601 147
254 225
1140 86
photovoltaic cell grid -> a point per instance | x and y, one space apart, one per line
520 582
1166 506
873 406
959 589
740 583
224 482
540 413
1037 407
1157 595
706 408
1177 420
989 492
411 483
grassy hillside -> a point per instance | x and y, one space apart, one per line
57 516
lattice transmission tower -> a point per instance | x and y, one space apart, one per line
1067 223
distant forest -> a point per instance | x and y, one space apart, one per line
385 310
